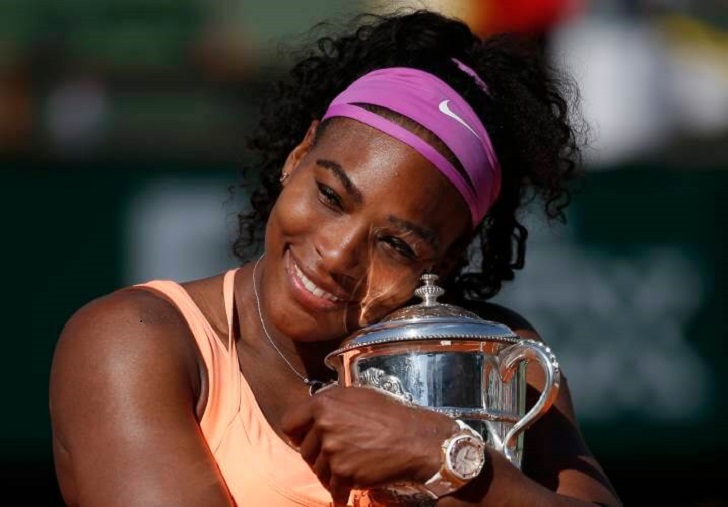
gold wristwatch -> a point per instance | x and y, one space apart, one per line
463 457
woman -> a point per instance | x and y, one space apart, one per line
389 151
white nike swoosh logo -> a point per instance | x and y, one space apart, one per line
445 109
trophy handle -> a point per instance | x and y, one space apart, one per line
508 360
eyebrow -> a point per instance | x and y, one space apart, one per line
423 232
338 171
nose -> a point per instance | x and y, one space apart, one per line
342 248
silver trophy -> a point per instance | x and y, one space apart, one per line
448 359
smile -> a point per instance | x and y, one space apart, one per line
313 288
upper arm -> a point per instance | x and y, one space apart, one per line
123 392
555 452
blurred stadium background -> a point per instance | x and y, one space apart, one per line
122 126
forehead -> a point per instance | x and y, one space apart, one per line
391 175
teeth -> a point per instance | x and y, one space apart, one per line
313 288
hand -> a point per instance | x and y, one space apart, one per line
358 437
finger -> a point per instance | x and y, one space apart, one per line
340 490
310 447
297 421
322 470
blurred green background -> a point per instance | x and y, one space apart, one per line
122 129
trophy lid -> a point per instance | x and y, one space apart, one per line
427 320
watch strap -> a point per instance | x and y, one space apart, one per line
444 482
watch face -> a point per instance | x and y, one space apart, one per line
466 457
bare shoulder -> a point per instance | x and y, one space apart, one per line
125 323
129 307
115 342
124 384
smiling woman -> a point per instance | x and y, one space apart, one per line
394 149
350 232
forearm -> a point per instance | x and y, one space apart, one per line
537 496
503 485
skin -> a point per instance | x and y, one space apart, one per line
128 386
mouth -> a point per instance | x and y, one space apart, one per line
313 288
309 292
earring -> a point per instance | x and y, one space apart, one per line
283 177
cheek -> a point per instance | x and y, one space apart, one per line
295 211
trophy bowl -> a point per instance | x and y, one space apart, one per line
447 359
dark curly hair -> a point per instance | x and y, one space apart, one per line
527 113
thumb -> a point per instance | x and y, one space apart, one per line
339 492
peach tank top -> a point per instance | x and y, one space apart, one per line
260 470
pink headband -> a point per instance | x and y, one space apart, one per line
432 103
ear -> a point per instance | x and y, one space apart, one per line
300 151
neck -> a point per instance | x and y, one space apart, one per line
294 359
311 357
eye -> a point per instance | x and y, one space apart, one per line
328 196
400 246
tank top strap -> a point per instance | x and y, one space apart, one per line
228 295
228 292
221 364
